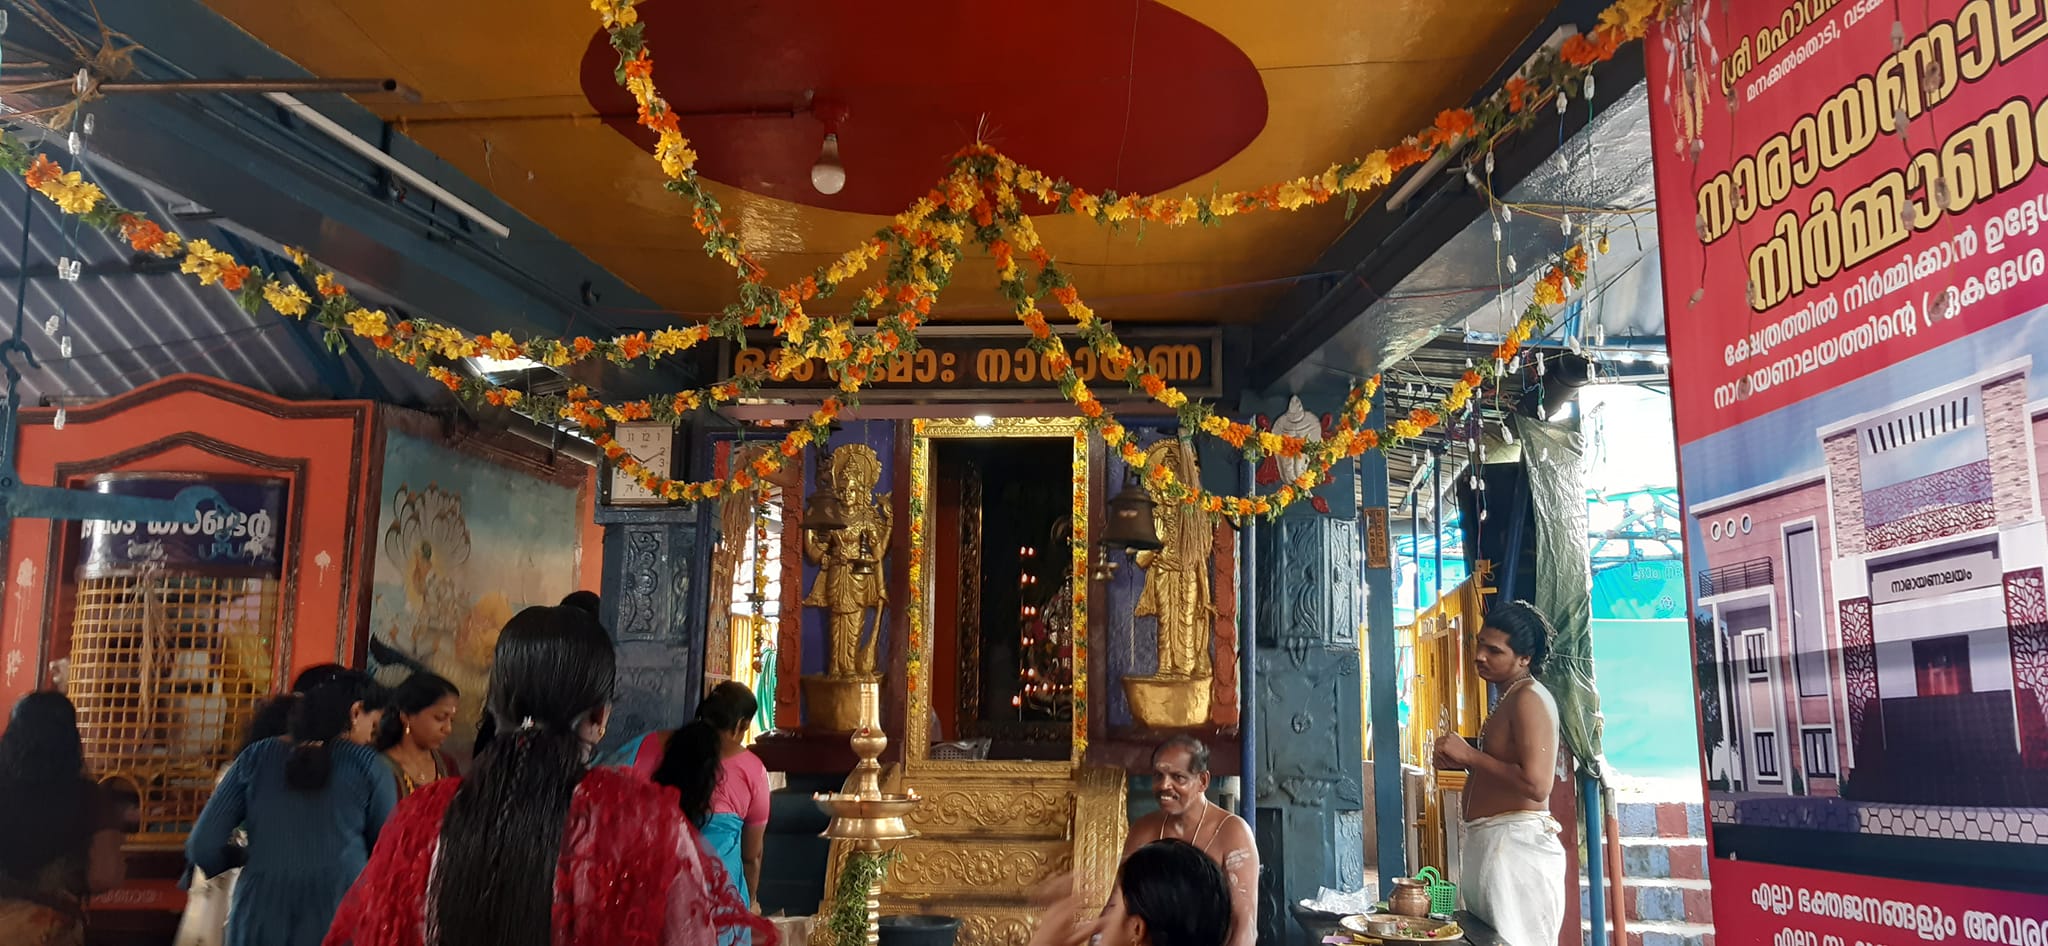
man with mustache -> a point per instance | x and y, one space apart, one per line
1180 780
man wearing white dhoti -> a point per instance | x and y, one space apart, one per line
1512 865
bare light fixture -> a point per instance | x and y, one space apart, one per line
828 176
425 185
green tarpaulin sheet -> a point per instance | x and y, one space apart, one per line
1554 457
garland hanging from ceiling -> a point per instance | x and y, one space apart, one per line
981 201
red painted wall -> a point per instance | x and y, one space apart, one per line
189 423
330 452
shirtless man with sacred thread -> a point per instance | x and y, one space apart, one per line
1513 866
1180 779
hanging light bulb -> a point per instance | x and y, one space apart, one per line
828 176
1511 263
1496 229
64 347
1599 334
1589 86
1564 223
1489 162
58 423
1507 214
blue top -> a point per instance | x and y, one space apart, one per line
305 848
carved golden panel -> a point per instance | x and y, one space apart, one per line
994 929
1099 832
987 872
997 811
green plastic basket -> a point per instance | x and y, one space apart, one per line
1443 895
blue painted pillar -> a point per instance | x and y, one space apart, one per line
1389 824
1311 760
655 573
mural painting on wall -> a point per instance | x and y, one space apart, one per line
463 544
1859 333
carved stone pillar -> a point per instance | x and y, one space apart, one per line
654 605
1310 784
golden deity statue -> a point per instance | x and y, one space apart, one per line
1176 593
850 580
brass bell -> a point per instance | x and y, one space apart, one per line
1104 568
824 512
864 561
1130 525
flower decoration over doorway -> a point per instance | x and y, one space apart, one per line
981 202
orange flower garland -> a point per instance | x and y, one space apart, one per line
980 193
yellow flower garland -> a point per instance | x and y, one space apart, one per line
982 185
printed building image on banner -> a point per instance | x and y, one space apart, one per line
1851 196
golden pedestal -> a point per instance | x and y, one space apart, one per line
833 704
1168 702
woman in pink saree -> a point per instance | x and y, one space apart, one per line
533 848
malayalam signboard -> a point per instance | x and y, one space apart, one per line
985 364
1851 200
234 533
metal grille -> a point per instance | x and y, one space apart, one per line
166 672
1741 576
966 750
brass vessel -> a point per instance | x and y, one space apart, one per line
1168 702
834 704
1411 897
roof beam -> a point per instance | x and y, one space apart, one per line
1382 247
257 165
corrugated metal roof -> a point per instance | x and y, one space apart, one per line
132 320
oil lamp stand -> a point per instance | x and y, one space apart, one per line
863 815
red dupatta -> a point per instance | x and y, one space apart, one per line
625 850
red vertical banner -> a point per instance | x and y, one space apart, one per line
1851 203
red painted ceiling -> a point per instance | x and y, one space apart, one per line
1149 95
1131 97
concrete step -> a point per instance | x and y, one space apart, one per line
1662 820
1663 858
1660 901
1659 934
1670 901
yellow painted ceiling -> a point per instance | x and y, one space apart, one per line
1341 77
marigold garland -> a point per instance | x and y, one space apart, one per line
979 200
